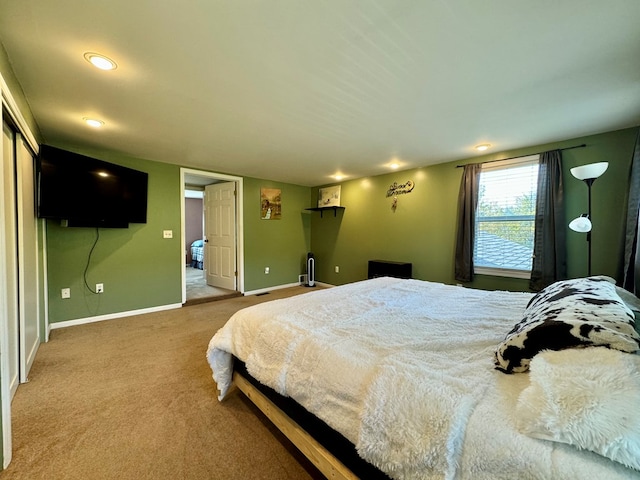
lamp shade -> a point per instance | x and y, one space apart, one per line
581 224
592 170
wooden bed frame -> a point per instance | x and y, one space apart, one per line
318 455
323 460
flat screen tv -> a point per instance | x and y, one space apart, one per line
85 192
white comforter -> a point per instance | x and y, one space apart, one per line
404 370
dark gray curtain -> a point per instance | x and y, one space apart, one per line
467 204
549 244
631 280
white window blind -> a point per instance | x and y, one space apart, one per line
505 217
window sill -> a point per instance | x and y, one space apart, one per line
502 272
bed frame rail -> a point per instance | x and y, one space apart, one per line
323 460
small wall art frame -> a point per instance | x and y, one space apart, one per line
270 203
329 196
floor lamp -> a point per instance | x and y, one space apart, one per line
583 223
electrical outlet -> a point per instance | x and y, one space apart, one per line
66 293
266 270
336 269
167 234
99 287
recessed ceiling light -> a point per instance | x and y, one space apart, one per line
100 61
337 176
394 163
92 122
482 147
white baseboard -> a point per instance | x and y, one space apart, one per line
288 285
269 289
111 316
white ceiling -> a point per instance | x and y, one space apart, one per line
297 90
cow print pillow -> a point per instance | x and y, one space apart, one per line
571 313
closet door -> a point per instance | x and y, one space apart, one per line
27 258
10 254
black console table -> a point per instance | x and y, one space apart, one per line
384 268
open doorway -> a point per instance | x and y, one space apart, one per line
199 238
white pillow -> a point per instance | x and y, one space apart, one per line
631 301
589 398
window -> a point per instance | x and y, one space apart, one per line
505 217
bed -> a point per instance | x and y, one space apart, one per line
421 379
197 254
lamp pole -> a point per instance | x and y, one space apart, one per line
589 182
588 174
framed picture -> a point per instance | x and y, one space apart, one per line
270 203
329 196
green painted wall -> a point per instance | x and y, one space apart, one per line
18 95
282 244
138 267
423 227
609 202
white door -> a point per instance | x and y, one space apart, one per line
10 256
220 235
27 259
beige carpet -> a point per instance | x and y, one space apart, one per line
133 398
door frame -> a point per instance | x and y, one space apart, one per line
5 388
239 222
11 349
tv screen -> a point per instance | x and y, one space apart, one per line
86 192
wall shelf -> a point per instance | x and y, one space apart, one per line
322 209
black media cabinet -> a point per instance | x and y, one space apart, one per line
384 268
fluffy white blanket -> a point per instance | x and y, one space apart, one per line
404 370
588 398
